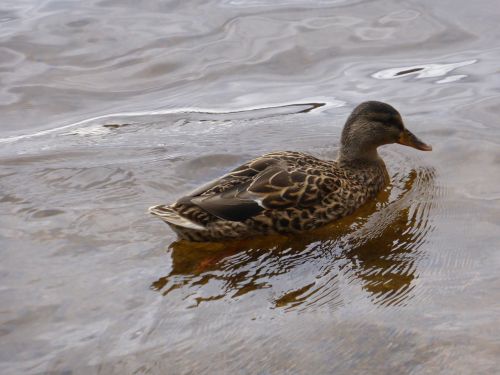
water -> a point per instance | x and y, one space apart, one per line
109 107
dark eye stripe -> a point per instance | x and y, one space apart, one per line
395 121
387 119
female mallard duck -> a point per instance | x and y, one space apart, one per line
289 192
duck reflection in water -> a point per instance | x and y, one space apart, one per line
378 248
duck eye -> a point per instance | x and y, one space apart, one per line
395 121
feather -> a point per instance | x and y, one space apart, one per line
168 215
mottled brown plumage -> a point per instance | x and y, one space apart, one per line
289 192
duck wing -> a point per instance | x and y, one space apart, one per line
278 185
235 178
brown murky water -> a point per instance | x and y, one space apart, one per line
109 107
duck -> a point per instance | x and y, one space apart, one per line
289 192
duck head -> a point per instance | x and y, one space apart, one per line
373 124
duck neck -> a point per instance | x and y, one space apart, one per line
364 162
358 154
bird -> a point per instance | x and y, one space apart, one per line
289 192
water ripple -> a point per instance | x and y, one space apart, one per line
425 71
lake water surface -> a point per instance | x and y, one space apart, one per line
108 107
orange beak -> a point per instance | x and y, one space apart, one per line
407 138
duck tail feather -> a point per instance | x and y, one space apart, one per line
168 215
